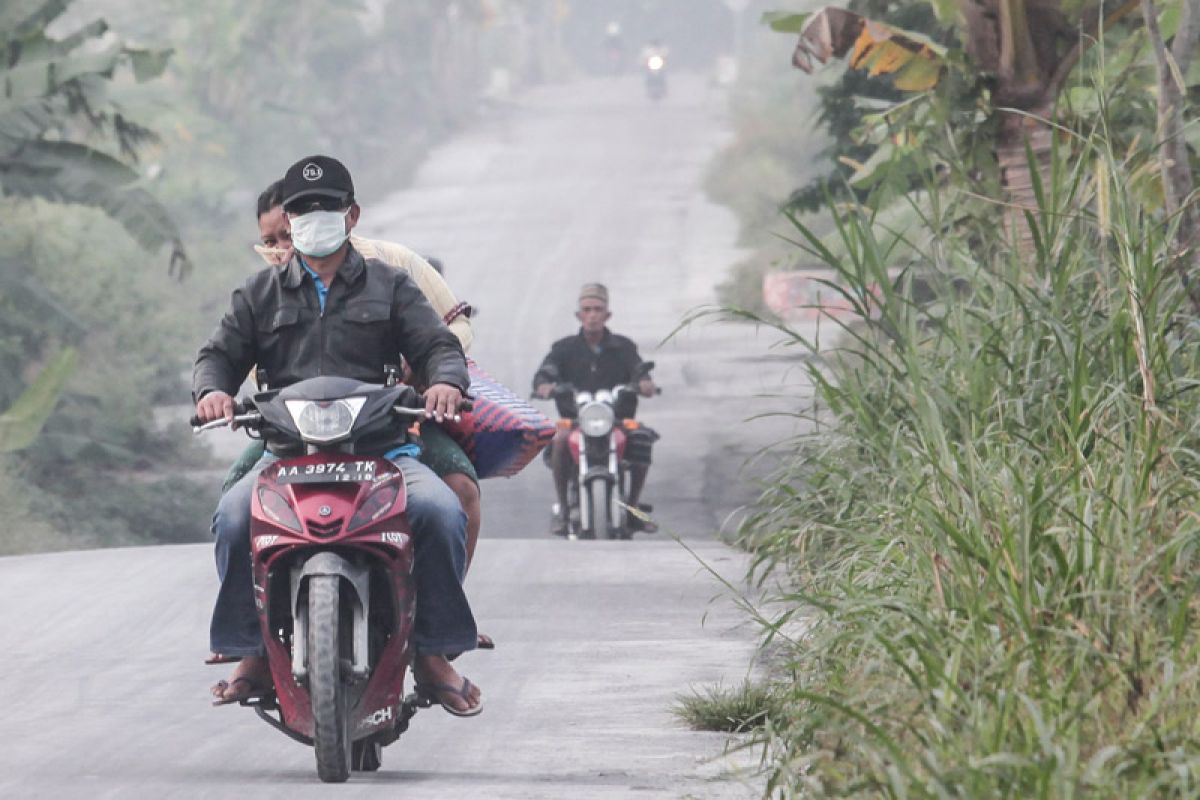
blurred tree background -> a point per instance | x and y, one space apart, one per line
134 139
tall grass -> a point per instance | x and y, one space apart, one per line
992 535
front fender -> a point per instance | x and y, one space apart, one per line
358 578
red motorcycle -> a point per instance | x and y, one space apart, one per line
333 557
601 424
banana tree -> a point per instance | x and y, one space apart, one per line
63 139
1028 48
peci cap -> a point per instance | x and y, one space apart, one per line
597 291
317 177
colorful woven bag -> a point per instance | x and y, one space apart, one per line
502 433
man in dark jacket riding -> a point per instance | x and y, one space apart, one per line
592 360
329 311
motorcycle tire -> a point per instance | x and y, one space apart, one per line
366 756
326 689
600 497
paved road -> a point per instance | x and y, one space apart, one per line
105 692
105 695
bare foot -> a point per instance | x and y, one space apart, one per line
455 693
251 678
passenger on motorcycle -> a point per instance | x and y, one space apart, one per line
331 311
592 360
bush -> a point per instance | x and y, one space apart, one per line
992 533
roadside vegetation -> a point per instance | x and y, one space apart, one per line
988 542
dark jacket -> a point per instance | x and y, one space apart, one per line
572 360
373 314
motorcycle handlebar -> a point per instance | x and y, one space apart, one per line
238 419
419 412
242 416
239 409
565 388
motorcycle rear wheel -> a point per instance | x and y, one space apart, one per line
326 688
367 756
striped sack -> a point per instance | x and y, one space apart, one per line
502 433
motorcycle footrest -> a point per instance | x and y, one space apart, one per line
416 701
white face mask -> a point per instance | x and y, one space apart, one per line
319 233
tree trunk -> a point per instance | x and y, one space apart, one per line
1018 131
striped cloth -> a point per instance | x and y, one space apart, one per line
502 433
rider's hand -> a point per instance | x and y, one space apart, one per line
215 405
442 401
646 387
544 390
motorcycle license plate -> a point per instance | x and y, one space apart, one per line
328 472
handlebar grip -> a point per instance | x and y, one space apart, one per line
239 408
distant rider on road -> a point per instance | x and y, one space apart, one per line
592 360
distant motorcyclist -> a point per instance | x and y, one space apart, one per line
614 47
654 47
654 64
592 360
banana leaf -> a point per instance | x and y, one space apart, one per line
21 424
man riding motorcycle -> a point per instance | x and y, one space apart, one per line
439 452
592 360
330 311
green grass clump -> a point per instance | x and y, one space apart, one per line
992 535
732 709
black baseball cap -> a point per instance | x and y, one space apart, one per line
318 178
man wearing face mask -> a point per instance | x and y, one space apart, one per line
439 452
330 311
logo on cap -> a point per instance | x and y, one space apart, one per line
312 172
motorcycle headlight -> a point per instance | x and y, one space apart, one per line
596 419
656 63
327 420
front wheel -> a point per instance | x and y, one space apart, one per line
589 511
326 688
600 498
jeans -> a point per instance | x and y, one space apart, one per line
444 623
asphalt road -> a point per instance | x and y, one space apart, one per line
105 694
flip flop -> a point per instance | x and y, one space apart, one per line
253 691
484 642
221 658
433 693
